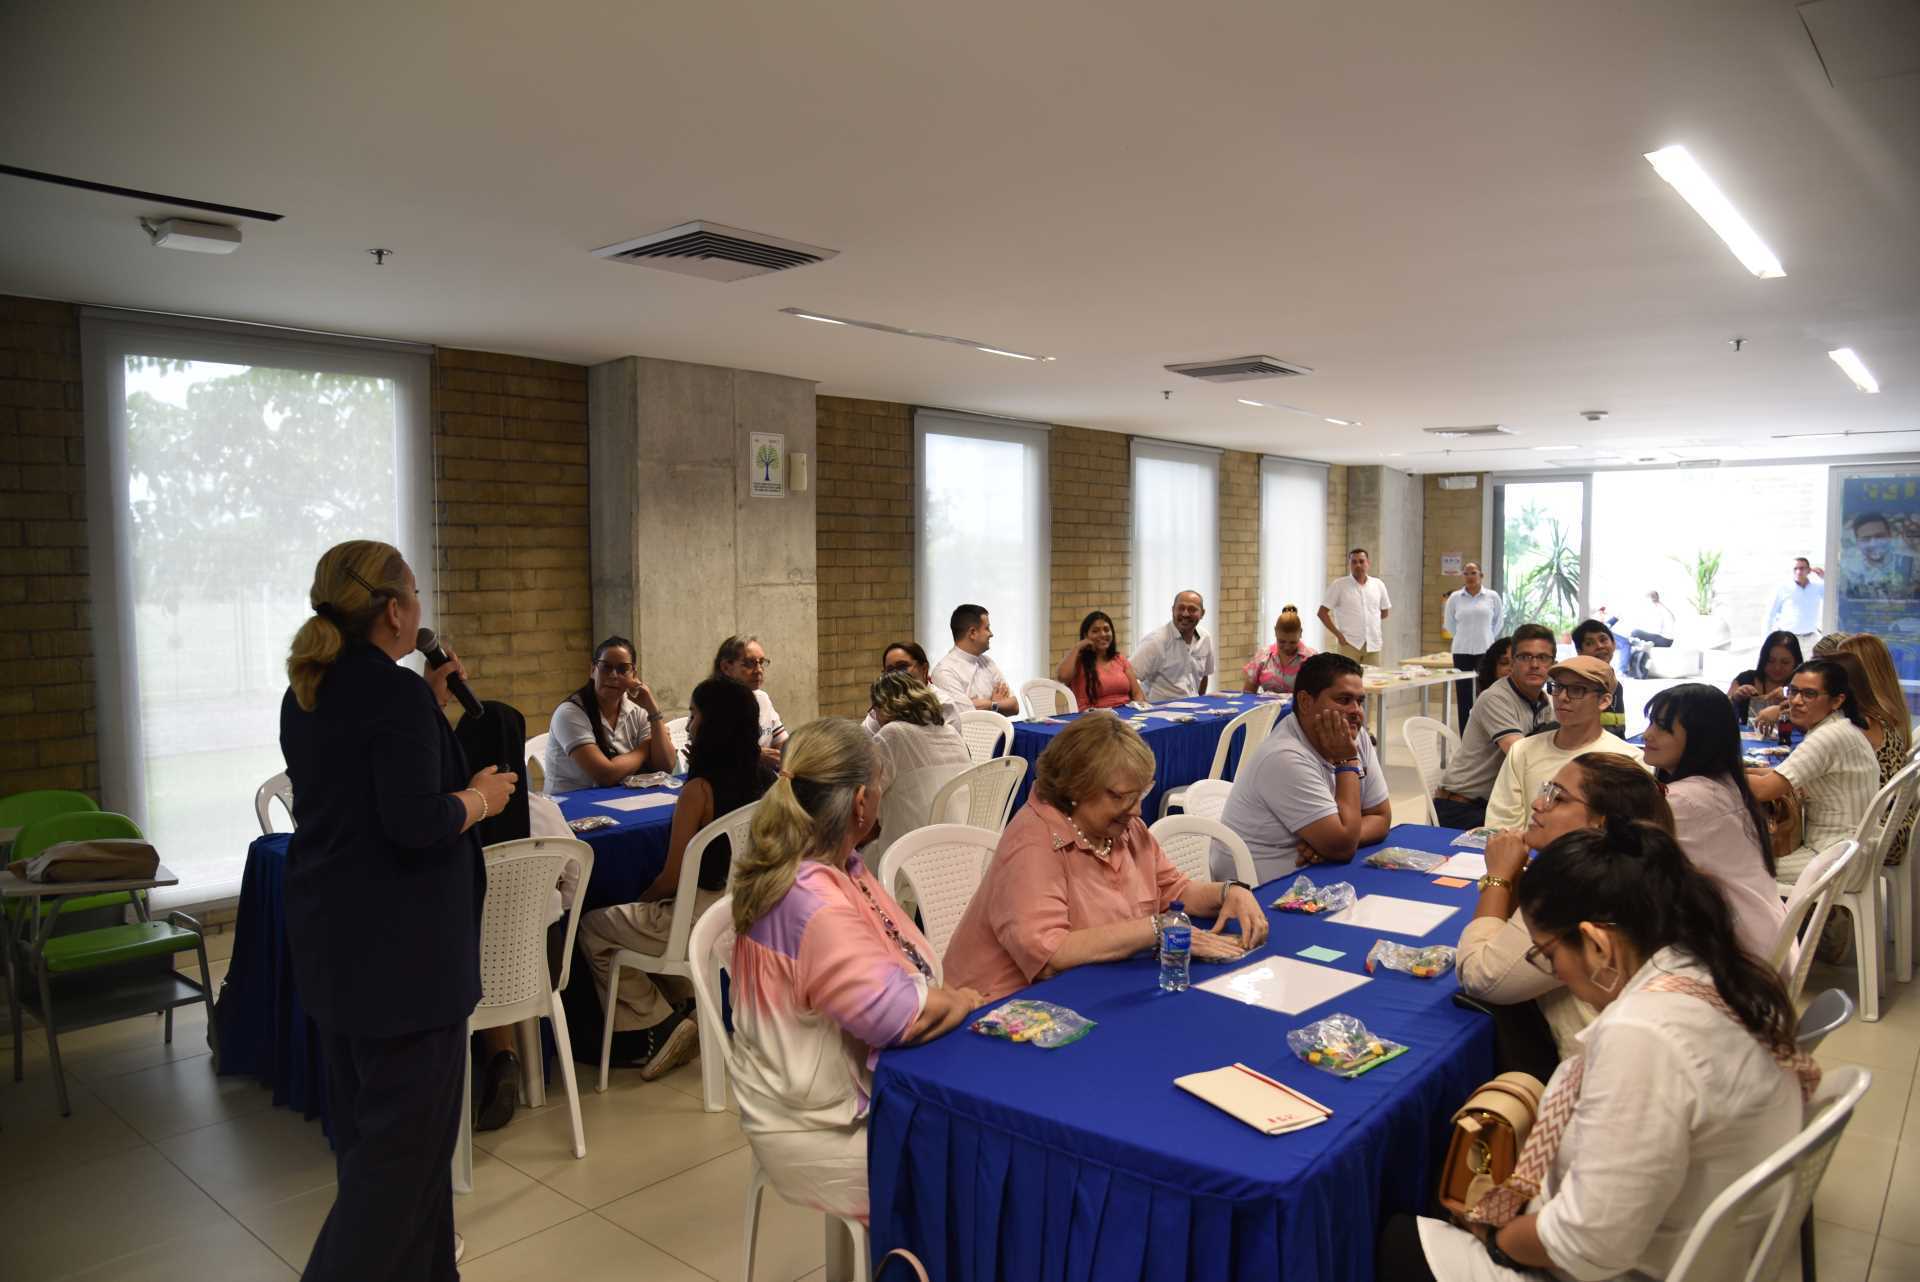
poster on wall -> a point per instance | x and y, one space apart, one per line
767 457
1877 583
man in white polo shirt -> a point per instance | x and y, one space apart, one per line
965 675
1312 791
1174 661
1797 605
1354 609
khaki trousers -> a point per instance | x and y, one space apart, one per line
644 1000
1366 658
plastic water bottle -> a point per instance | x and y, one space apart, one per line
1176 948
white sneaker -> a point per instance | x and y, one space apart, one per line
459 1247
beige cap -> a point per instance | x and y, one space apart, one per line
1587 668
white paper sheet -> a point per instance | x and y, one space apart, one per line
1396 916
1470 864
1282 984
1184 705
641 801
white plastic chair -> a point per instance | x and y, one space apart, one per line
1042 697
1824 1016
711 948
672 958
537 756
943 865
1254 725
1189 841
1900 892
1808 906
515 983
987 734
1718 1248
1207 798
279 787
1425 738
989 787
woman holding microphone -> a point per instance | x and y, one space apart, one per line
384 889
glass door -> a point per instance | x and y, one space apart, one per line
1541 549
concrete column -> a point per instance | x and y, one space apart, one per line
683 556
1385 516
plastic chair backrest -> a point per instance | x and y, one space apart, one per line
944 864
1207 798
24 808
1823 1017
987 734
1042 697
1881 824
1423 736
74 825
710 952
279 787
734 826
677 733
1720 1246
537 757
989 786
1190 843
1252 726
521 878
1807 908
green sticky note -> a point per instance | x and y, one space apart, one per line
1316 953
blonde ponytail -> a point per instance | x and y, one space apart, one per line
1289 620
352 583
808 813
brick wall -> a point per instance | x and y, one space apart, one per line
1452 527
46 642
1090 476
510 503
1236 621
864 510
1337 542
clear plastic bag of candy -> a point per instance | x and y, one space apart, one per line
651 779
1404 858
1042 1023
591 823
1304 897
1342 1045
1422 963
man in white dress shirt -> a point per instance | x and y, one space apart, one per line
1174 661
1354 610
965 674
1797 605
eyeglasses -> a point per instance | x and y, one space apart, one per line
905 665
1532 658
617 669
757 664
1553 794
1804 692
1540 956
1574 692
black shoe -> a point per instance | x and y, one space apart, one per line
498 1092
662 1048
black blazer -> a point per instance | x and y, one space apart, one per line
383 889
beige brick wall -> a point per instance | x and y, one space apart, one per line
1337 543
510 503
1236 622
864 511
46 639
1452 526
1090 479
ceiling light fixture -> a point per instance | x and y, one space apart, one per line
1849 361
876 326
1544 448
1295 409
1678 167
1259 405
1340 422
1810 436
186 233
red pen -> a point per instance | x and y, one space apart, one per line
1282 1086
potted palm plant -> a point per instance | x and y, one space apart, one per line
1710 630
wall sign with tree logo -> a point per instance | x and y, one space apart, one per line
767 465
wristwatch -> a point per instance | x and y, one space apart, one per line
1229 884
1489 881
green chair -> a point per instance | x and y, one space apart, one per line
24 808
102 975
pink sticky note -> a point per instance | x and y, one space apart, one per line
1455 882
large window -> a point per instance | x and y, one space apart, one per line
1176 532
1541 536
983 536
221 464
1293 540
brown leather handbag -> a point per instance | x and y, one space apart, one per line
1784 822
1489 1130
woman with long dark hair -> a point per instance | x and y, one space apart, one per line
1497 662
1095 670
1764 684
609 728
653 1028
1687 1078
1833 768
1693 745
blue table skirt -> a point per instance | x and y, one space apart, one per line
264 1030
1182 750
999 1161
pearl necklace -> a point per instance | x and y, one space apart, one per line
1104 849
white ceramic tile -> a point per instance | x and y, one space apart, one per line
584 1249
180 1095
86 1216
689 1217
1901 1218
35 1141
1883 1109
1855 1186
686 1080
128 1045
1840 1255
506 1206
291 1225
1882 1045
223 1252
256 1159
1893 1261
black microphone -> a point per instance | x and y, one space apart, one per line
428 644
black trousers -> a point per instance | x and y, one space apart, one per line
1463 690
396 1118
1460 814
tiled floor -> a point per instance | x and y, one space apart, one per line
190 1176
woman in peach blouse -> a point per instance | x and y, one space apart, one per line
1275 666
1095 670
1077 877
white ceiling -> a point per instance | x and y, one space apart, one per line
1441 208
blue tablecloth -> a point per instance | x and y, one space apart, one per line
1182 750
999 1161
264 1029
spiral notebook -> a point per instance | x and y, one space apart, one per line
1270 1107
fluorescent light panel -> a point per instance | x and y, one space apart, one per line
1295 409
1677 165
912 333
1849 361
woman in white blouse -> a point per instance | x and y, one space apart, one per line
921 751
745 660
1833 768
607 729
1687 1078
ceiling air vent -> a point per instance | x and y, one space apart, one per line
1457 433
1239 369
715 251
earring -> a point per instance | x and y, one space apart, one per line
1607 986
